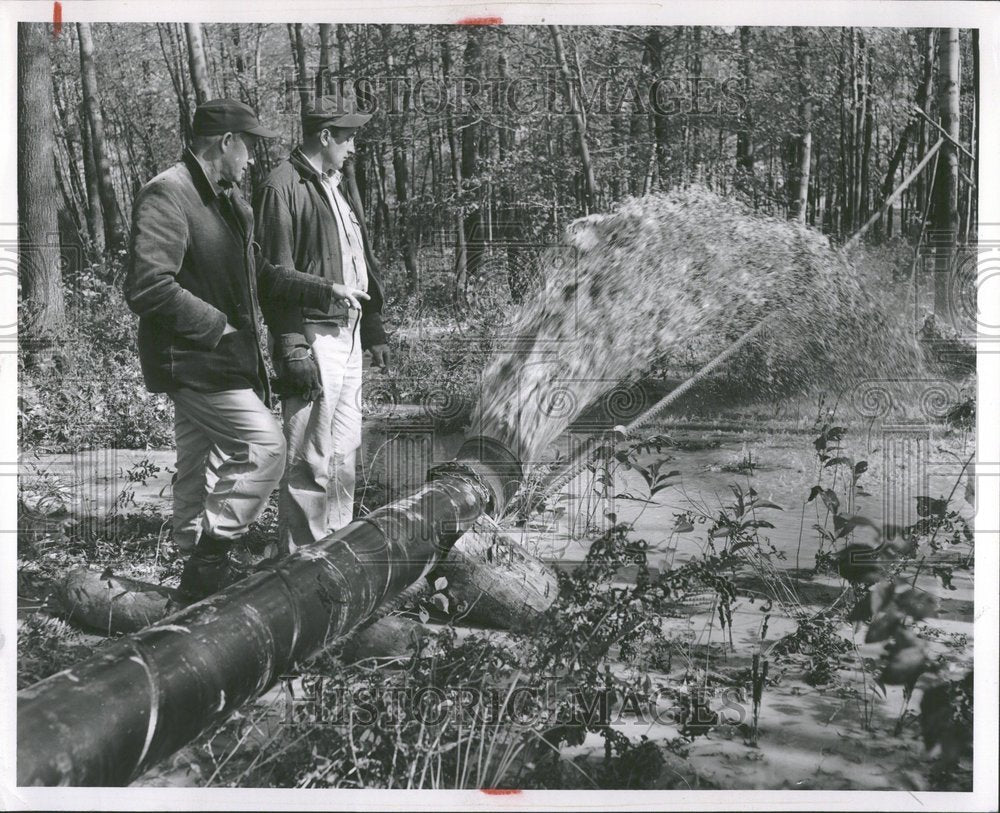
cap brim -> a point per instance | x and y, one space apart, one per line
261 132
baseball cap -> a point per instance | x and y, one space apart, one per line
219 116
334 110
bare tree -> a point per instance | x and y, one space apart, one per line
744 138
401 168
325 50
945 213
913 125
38 234
929 42
801 199
95 218
461 252
298 47
196 62
92 111
579 122
472 220
659 160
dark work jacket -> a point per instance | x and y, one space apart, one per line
194 267
296 227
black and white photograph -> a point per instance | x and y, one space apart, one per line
500 407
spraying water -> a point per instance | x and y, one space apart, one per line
687 268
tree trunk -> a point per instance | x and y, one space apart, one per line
383 215
842 213
856 237
64 131
351 181
927 88
801 201
816 188
90 202
971 209
461 254
239 63
923 90
401 169
196 62
177 80
92 109
38 235
946 220
866 139
744 138
472 222
299 54
579 122
511 231
342 44
857 124
325 49
850 215
659 160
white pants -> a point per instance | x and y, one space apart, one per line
230 456
323 437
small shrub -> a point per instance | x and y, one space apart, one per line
91 394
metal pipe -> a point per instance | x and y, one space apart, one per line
579 462
105 720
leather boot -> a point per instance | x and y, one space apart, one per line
208 570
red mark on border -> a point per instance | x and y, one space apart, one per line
499 791
56 18
480 21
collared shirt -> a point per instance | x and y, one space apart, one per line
352 249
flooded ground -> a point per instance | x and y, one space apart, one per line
835 736
839 735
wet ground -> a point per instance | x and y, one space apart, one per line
833 736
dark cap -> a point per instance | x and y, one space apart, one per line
332 111
219 116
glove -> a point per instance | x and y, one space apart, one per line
380 356
298 373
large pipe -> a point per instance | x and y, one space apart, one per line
105 720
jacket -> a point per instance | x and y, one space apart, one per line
193 267
296 227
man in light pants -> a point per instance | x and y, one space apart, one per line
193 278
306 219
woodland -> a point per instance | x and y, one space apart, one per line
742 554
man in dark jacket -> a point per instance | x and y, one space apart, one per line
193 278
306 218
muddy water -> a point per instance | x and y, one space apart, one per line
809 737
399 450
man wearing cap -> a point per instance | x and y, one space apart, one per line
307 219
193 278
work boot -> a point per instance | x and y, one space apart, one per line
208 570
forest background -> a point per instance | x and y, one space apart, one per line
486 142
